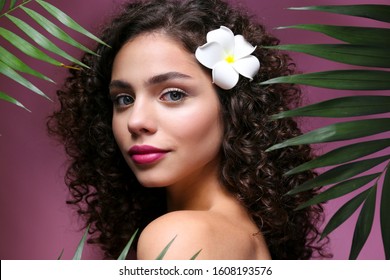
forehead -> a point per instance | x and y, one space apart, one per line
151 54
154 47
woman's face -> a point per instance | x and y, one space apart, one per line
166 117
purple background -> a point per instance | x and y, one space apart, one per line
35 222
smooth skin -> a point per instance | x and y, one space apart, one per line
163 98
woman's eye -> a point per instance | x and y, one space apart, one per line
173 95
124 100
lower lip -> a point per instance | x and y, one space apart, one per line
147 158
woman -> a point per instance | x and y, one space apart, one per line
158 141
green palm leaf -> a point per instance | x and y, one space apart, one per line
12 100
340 173
80 247
342 155
26 47
339 79
337 132
165 250
344 213
55 30
363 224
376 12
350 34
196 255
12 4
125 251
67 21
372 56
340 189
60 255
11 64
12 74
350 106
42 40
18 65
368 47
384 213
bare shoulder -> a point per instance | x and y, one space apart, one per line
193 231
190 230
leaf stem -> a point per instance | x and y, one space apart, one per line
16 7
70 67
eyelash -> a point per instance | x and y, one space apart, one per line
119 99
168 91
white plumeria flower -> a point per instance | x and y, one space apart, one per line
228 56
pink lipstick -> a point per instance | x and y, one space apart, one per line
146 154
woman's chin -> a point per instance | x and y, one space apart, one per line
149 183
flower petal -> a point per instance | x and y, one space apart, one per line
223 36
242 47
247 66
209 54
224 75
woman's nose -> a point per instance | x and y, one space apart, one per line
142 118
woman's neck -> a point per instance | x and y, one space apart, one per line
192 195
200 192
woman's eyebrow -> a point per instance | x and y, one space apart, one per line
121 84
166 77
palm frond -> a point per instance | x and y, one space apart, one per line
365 47
12 74
165 250
79 250
42 40
342 107
340 173
18 65
196 255
384 213
342 155
125 250
340 189
68 21
364 223
54 30
350 34
2 4
339 79
360 55
60 255
12 4
376 12
12 100
27 48
38 43
337 132
344 213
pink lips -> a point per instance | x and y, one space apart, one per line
146 154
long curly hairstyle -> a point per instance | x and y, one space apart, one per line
104 189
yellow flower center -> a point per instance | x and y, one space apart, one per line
229 58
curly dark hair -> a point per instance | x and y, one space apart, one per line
105 190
